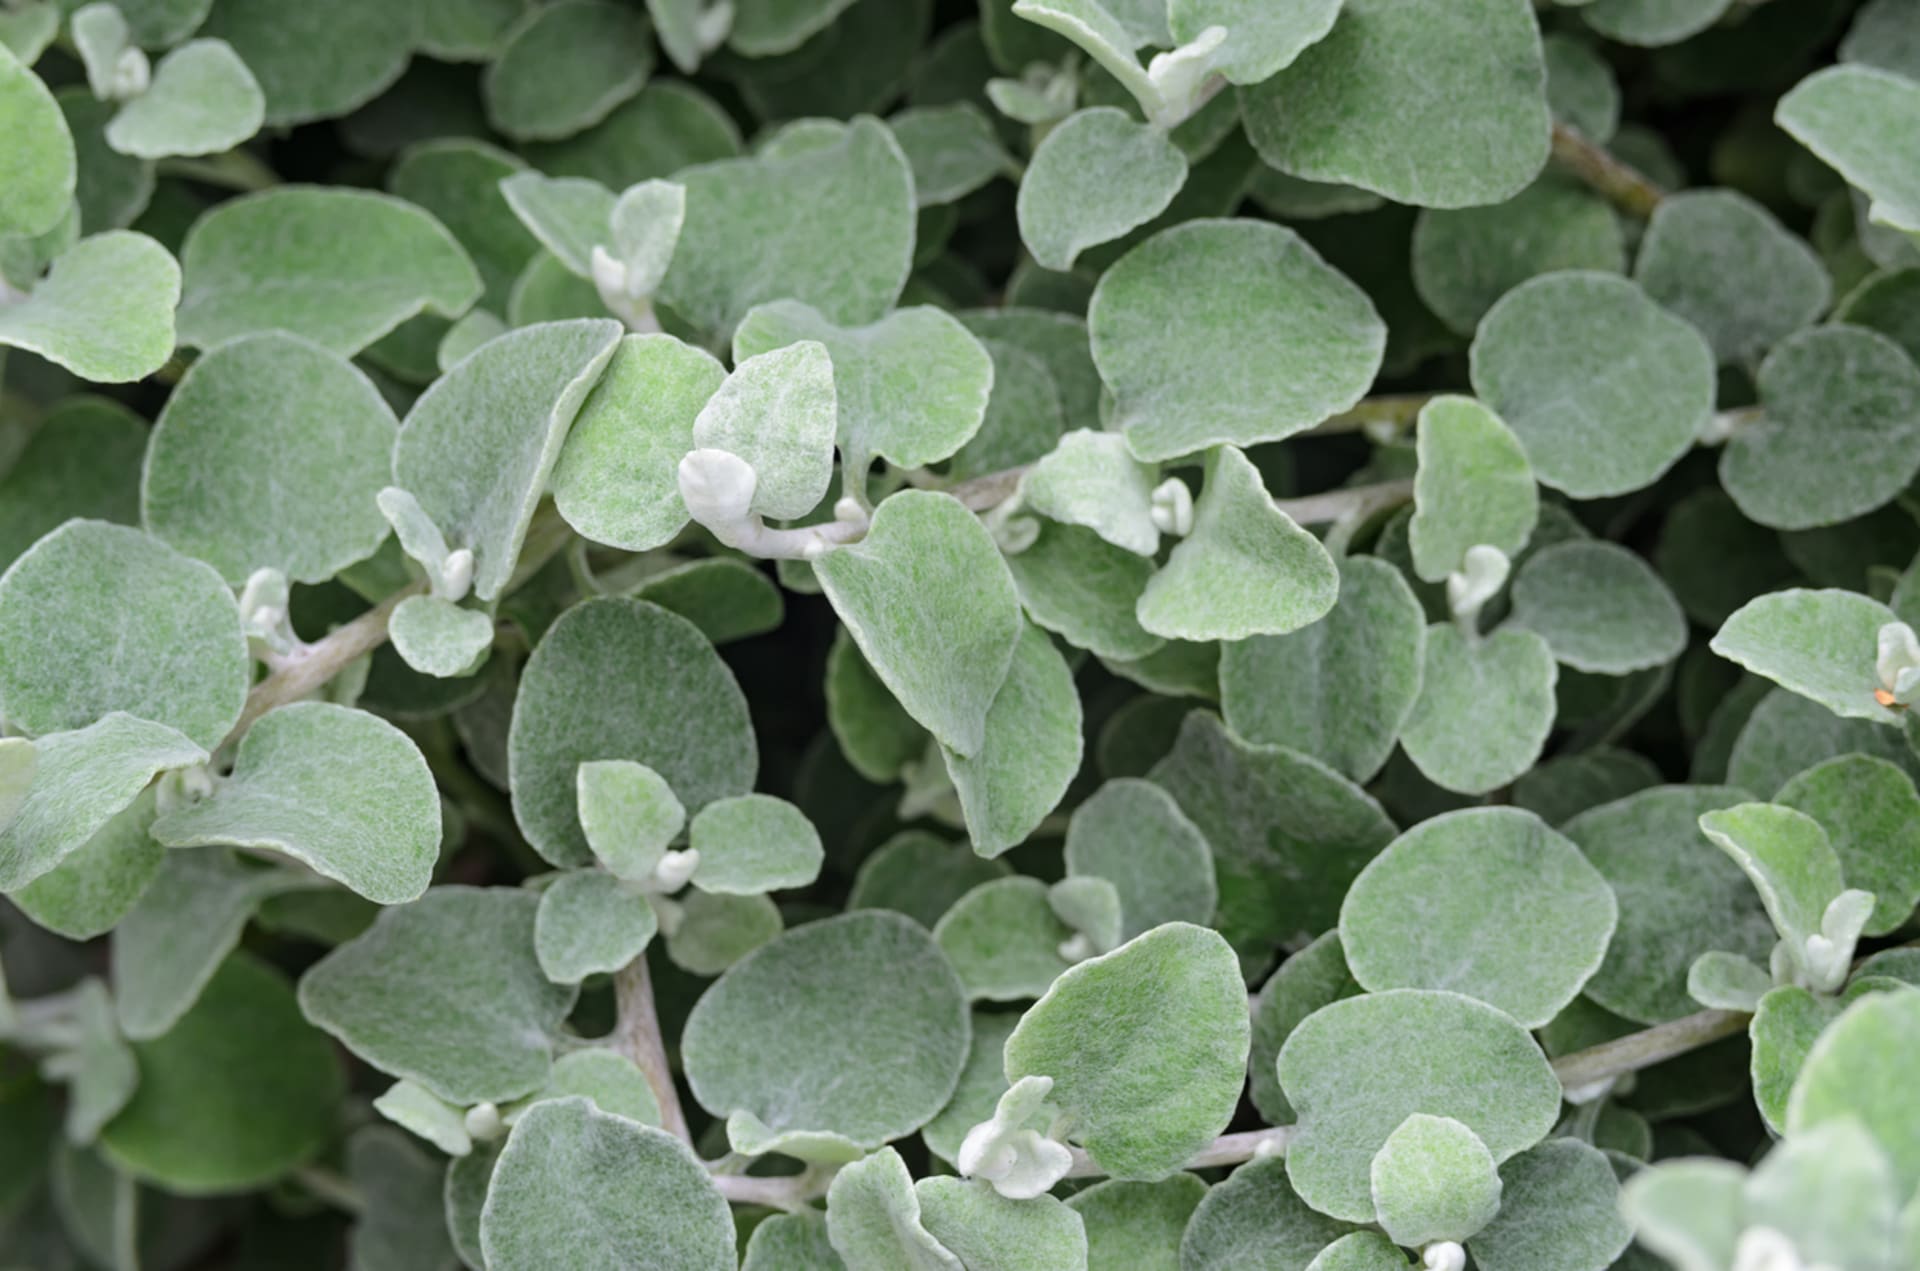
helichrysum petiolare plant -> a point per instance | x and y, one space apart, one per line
959 635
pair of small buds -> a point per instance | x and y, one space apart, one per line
264 612
1765 1249
1898 666
1006 1151
1443 1255
1172 508
1479 579
1823 959
1180 76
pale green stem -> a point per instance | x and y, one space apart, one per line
1624 186
637 1036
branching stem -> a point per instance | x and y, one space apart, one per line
637 1036
309 667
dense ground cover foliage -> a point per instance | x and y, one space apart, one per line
959 635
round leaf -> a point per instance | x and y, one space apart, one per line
1828 395
1091 179
1255 1213
565 67
1472 488
445 992
1439 107
37 182
1030 751
1486 706
843 1033
98 618
622 679
1229 331
1137 1225
1509 912
317 61
1171 1009
599 1192
257 1083
340 267
270 454
754 843
1857 1069
105 312
1433 1179
1547 358
1820 644
1599 607
1425 1052
988 1231
1559 1211
1004 940
1131 833
1871 815
203 100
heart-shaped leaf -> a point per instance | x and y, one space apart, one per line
105 311
203 100
1473 488
590 922
1485 708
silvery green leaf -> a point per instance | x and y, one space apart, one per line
1825 393
1854 1071
1338 689
417 1109
1099 32
186 923
777 412
1784 734
1246 569
953 148
610 1079
1004 940
1473 487
1853 117
260 1086
1029 752
837 1037
623 679
1489 885
1132 834
366 43
270 453
1727 982
791 1242
75 784
1288 833
847 258
402 1228
1261 38
1085 590
1485 708
1094 177
464 1197
671 125
1652 23
1428 1052
105 311
465 335
991 1233
873 1219
41 170
1024 418
921 876
1181 668
447 993
1092 479
877 736
338 266
600 1192
1171 1009
911 388
468 452
1787 1021
727 598
1820 644
713 932
754 843
1360 1251
1715 559
466 30
1559 1211
1678 898
83 461
1545 358
646 222
564 67
569 215
337 789
96 1063
762 28
1137 1225
1434 108
29 30
457 181
89 892
1305 982
1832 1192
589 923
1871 815
437 637
1059 341
1600 608
1789 860
1465 259
1689 1211
1229 331
617 481
929 601
1256 1213
1433 1179
1722 262
101 39
203 100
